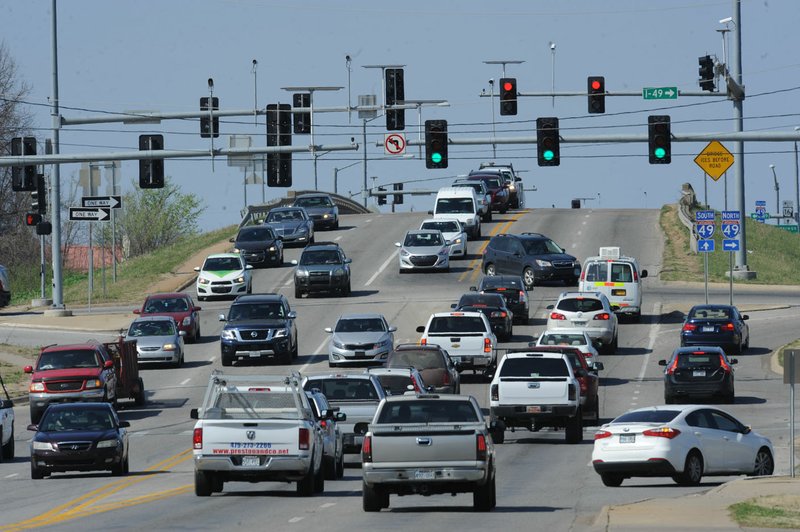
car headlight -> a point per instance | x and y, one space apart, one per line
543 263
93 383
338 345
237 250
227 334
457 241
105 444
42 446
281 333
301 272
169 347
37 387
301 230
239 279
187 321
203 280
273 248
339 273
404 253
326 216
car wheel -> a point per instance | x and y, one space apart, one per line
692 470
227 360
330 467
139 397
528 277
250 288
346 290
612 480
36 473
319 479
482 497
202 484
295 349
370 498
118 470
8 449
217 484
198 335
574 430
669 399
764 465
504 209
490 270
305 486
498 435
298 293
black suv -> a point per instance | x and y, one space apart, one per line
532 256
323 267
259 326
513 291
259 245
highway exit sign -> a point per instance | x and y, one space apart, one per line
660 93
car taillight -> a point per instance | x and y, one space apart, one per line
724 365
366 449
583 275
662 432
728 327
571 392
600 434
323 423
487 345
414 383
557 316
423 342
635 275
197 438
522 297
687 327
584 383
480 446
446 378
495 391
603 316
498 314
672 367
304 440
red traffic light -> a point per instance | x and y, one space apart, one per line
596 85
507 86
32 218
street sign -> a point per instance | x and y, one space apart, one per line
730 244
730 226
660 93
790 228
704 216
788 209
109 202
715 159
759 216
705 230
705 246
730 216
89 215
394 144
731 230
761 203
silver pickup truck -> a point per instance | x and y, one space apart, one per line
427 445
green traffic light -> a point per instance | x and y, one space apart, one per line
548 155
660 153
436 157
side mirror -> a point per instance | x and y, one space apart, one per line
222 317
643 274
398 244
197 309
194 414
231 239
33 428
453 305
137 311
430 212
746 430
248 267
108 364
615 307
745 317
348 261
473 288
550 307
517 179
458 366
197 268
662 362
294 262
181 333
361 428
124 424
598 366
340 416
393 328
328 330
6 403
733 361
421 329
28 369
292 315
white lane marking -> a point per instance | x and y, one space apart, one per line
289 281
212 359
316 356
295 519
327 505
367 220
579 233
12 475
185 381
190 431
337 238
383 267
650 342
583 222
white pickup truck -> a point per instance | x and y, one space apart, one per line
256 428
466 336
535 390
6 424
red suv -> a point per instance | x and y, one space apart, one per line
179 307
501 199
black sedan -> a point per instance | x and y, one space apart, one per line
513 291
259 245
698 372
493 306
79 437
720 325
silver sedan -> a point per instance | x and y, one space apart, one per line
158 340
359 339
424 250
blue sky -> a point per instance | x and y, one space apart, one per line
157 55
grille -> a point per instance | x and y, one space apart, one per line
148 349
74 446
255 255
68 386
319 278
562 264
255 334
358 347
423 260
220 289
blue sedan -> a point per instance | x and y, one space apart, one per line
720 325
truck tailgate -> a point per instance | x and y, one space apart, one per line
235 437
459 344
533 390
423 443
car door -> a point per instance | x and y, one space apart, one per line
738 453
502 248
710 441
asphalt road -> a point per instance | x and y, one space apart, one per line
543 483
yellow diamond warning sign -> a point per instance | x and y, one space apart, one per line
715 159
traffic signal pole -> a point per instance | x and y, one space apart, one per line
55 187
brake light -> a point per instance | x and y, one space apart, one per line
728 327
366 449
423 342
635 275
499 314
487 345
604 316
495 393
323 424
584 383
304 440
688 327
258 389
724 365
197 438
557 316
662 432
446 378
480 446
522 297
583 275
600 434
414 383
571 392
501 289
672 367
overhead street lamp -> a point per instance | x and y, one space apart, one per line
777 195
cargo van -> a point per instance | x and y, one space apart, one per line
459 203
616 276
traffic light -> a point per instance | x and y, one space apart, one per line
151 171
302 121
706 71
32 218
596 87
39 196
381 198
398 198
205 120
44 228
395 118
23 178
508 96
279 133
576 203
659 139
547 141
436 144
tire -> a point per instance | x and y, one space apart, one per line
198 335
336 225
250 288
330 466
340 466
574 430
226 360
346 290
298 293
36 473
305 486
692 470
7 452
498 436
139 397
295 349
319 478
370 498
764 463
490 270
528 277
217 484
202 484
612 480
482 497
746 345
504 209
669 399
120 469
597 407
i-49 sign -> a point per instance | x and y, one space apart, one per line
705 230
731 230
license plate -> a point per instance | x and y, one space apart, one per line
578 323
698 373
534 409
708 328
254 354
250 461
618 292
627 438
361 354
424 475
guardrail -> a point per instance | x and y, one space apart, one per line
345 204
685 215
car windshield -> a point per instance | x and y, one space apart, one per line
695 360
419 359
84 358
710 313
647 416
316 201
423 239
255 234
256 311
344 389
540 247
428 411
222 264
443 226
563 339
456 324
152 328
285 216
454 206
355 325
76 420
237 404
580 304
155 306
321 256
534 367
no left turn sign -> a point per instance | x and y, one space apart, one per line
394 144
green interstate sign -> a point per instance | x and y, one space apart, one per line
660 93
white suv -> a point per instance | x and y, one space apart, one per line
587 311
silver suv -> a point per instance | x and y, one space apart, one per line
587 311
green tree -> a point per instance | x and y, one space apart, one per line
153 218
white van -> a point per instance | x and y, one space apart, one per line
616 276
459 203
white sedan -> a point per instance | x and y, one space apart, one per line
683 442
453 231
573 338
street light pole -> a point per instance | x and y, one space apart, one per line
778 211
796 183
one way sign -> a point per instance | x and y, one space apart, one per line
90 215
108 202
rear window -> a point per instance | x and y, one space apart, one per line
489 283
534 367
248 405
621 272
418 359
429 411
396 384
648 416
563 339
692 360
484 300
596 272
343 390
456 324
710 313
580 305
